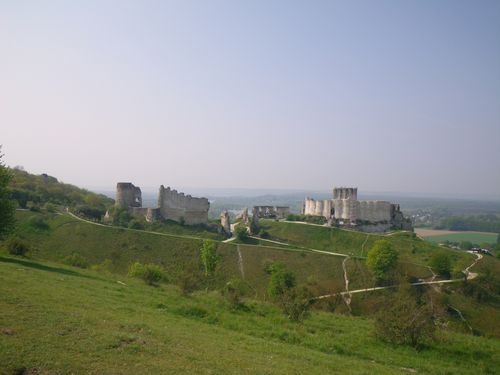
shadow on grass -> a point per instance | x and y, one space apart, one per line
38 266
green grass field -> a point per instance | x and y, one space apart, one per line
352 243
59 320
67 235
475 238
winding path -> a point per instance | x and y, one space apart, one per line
469 276
347 293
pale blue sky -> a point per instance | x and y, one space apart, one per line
383 95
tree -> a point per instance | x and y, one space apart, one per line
441 263
7 206
382 259
466 245
209 257
404 321
281 280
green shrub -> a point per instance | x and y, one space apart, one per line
150 273
441 263
241 232
90 212
50 207
296 303
403 321
32 206
233 291
189 280
382 258
209 257
264 234
281 280
121 216
76 260
105 266
136 224
16 246
38 222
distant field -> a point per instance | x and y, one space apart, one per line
438 236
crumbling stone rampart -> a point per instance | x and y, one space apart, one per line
179 207
171 205
274 212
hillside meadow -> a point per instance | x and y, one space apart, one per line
58 319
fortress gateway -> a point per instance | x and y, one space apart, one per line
369 216
171 205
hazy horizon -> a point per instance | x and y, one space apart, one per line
388 96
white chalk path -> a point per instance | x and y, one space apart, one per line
469 276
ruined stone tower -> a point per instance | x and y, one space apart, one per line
128 195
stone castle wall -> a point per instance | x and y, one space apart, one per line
171 205
345 193
179 207
375 211
277 212
349 209
380 215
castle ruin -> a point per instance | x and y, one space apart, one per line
346 209
171 205
272 212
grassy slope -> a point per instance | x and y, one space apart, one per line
350 242
96 243
62 320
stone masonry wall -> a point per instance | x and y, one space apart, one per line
179 207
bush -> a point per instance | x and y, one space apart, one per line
403 321
296 303
38 222
281 280
121 216
382 259
189 281
94 213
441 263
233 291
76 260
105 266
209 257
32 206
466 245
150 273
16 246
241 232
136 224
264 234
50 207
